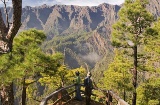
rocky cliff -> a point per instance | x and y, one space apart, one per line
63 19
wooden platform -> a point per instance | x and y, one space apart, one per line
75 102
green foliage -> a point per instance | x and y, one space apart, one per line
27 61
31 58
149 92
82 72
154 34
7 66
74 46
118 76
136 49
59 42
132 31
133 19
63 77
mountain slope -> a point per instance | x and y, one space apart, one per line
84 31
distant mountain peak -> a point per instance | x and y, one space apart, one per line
104 4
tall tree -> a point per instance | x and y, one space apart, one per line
32 60
128 32
151 84
26 46
118 75
8 31
28 61
6 77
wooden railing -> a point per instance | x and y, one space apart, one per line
109 96
117 98
60 96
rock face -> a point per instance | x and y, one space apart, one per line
93 22
66 19
63 19
154 7
35 17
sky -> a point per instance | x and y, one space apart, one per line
34 3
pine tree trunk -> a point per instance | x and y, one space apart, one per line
124 94
6 38
7 95
24 93
135 76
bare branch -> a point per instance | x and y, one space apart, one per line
7 34
6 12
17 11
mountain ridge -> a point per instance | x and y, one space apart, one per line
86 30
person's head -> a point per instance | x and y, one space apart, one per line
77 73
89 74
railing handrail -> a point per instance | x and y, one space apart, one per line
44 100
110 95
115 96
121 101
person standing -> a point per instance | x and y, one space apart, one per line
88 88
78 86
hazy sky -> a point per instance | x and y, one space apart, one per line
67 2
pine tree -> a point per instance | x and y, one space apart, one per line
28 61
8 32
118 75
128 32
32 60
152 83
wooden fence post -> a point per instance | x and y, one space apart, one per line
59 97
109 98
